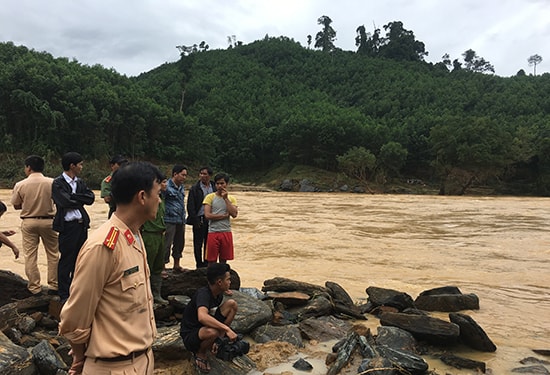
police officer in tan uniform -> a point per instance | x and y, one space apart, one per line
33 196
108 318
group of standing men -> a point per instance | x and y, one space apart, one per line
111 270
63 229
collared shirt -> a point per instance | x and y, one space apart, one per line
110 308
174 202
34 195
71 214
206 189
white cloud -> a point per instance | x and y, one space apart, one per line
133 36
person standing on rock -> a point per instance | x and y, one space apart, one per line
33 196
5 234
208 316
115 163
174 217
152 232
71 221
195 214
219 207
108 318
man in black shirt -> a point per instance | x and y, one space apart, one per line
207 316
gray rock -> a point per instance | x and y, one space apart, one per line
307 186
253 292
471 333
47 359
288 333
15 360
441 290
319 306
447 302
26 324
287 185
384 366
423 327
302 365
532 370
389 297
460 362
407 361
397 338
324 328
251 313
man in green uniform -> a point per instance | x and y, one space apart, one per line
153 238
115 163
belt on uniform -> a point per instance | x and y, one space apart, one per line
37 217
121 358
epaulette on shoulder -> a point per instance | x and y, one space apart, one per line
108 178
112 238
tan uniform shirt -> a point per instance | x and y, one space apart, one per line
34 195
110 307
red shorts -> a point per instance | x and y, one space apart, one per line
219 244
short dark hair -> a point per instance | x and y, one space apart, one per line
3 207
178 168
118 159
221 176
131 178
70 158
216 271
35 162
208 170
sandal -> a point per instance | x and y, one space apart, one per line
201 364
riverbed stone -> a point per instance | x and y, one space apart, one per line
422 327
324 328
461 362
251 313
397 338
447 302
288 333
389 297
47 359
471 333
14 359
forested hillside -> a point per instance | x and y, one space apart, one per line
256 106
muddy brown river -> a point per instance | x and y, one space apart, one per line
495 247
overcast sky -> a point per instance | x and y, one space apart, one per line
135 36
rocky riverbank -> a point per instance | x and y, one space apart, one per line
288 322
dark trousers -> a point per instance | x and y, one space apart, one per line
70 241
200 235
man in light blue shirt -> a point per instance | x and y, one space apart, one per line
174 217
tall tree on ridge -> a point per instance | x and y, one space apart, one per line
476 63
326 37
534 61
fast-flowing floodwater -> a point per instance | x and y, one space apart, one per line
495 247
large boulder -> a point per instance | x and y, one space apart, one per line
423 327
471 333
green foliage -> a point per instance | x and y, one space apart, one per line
325 38
357 162
392 157
272 102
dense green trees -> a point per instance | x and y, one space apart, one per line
374 115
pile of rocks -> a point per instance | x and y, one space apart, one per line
284 310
